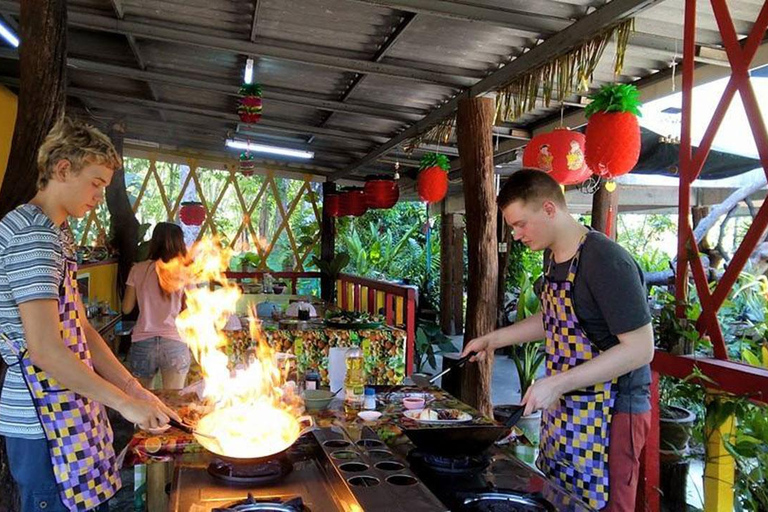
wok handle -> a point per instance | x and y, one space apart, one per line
310 424
461 362
181 426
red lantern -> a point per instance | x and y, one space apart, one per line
332 205
249 105
192 213
353 202
247 164
432 184
381 192
559 153
613 143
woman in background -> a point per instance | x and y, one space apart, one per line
156 341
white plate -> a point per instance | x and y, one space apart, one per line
414 415
158 430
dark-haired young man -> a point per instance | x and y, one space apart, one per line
595 398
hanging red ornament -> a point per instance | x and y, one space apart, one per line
249 105
432 183
381 192
247 163
613 131
192 213
559 153
332 205
353 202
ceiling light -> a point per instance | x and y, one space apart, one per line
275 150
7 34
249 71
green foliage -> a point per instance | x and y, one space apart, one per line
615 98
429 336
639 240
332 268
528 357
252 89
749 448
435 160
677 336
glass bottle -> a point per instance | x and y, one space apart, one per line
354 381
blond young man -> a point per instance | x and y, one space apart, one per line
61 374
595 397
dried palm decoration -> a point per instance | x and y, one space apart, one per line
560 77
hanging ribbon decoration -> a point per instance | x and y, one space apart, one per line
609 222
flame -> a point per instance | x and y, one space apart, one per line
254 414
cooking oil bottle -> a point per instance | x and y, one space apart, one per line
354 382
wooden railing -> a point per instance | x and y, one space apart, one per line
397 303
353 293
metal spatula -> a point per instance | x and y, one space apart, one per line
425 381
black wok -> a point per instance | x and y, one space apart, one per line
461 440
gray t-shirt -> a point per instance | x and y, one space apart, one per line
610 299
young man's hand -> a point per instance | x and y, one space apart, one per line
144 413
479 346
135 390
543 394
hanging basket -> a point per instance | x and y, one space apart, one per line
613 132
353 202
559 153
381 192
192 213
332 205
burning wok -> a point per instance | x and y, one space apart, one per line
236 435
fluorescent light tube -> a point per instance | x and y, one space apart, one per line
7 34
275 150
249 71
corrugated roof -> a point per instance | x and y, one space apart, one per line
340 76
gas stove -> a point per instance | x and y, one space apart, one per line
324 471
494 481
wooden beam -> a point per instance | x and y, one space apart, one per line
575 34
605 208
473 122
255 20
186 35
451 273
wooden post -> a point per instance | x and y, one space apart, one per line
42 69
605 208
474 125
123 223
451 273
327 244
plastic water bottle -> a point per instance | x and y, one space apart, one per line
354 382
369 403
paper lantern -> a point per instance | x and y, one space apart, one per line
249 105
353 202
381 192
559 153
192 214
613 143
613 133
332 205
432 184
247 164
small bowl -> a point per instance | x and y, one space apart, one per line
413 402
317 399
369 415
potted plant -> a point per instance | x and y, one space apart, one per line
674 334
331 270
676 419
429 336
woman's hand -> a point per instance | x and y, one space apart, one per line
480 346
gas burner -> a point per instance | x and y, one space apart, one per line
455 466
260 473
505 501
270 504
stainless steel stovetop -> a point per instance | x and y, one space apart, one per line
331 472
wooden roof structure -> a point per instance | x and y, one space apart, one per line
351 80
